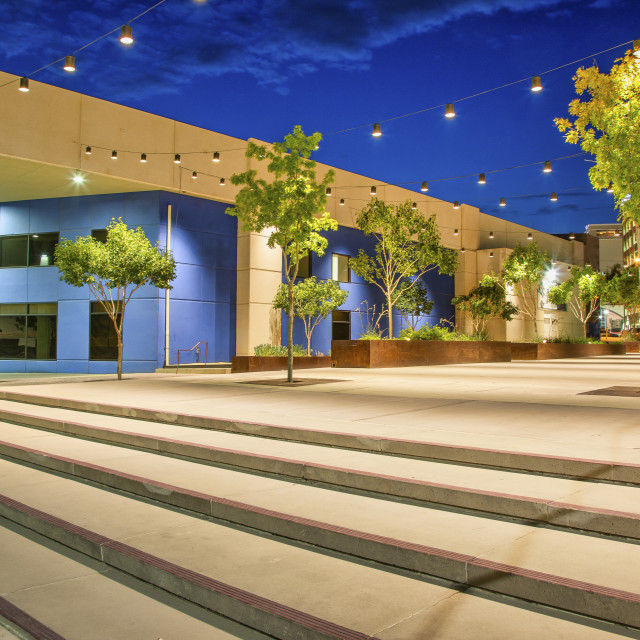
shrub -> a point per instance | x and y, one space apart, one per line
279 350
433 333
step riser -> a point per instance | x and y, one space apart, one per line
610 523
597 470
558 593
251 610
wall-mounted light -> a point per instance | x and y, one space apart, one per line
377 131
78 178
636 48
547 167
69 64
503 202
424 187
126 35
536 83
215 157
482 179
23 85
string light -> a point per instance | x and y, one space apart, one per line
547 167
87 151
554 197
424 187
222 182
328 191
24 85
114 155
503 202
414 205
536 84
482 179
126 35
143 157
455 232
377 132
636 48
342 202
176 158
491 236
216 157
572 236
373 191
69 64
610 188
456 205
194 175
491 254
462 249
450 112
529 236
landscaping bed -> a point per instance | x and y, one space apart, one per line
246 364
372 354
555 350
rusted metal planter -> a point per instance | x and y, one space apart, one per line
247 364
555 350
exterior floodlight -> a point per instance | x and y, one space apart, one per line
530 236
87 151
222 182
414 205
491 236
572 236
455 232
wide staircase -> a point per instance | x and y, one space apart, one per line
123 523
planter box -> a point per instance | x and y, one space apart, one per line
553 350
245 364
416 353
632 347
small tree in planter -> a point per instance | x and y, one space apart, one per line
313 301
581 292
114 270
413 303
524 272
485 301
407 247
290 206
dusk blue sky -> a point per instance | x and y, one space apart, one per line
251 68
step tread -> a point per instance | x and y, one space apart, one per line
532 487
610 563
365 599
80 598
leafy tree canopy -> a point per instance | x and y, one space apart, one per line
414 302
606 123
407 246
623 288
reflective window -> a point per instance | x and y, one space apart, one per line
13 251
340 267
34 250
28 331
103 339
341 325
41 248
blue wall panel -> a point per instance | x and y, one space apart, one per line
75 213
141 209
14 218
141 330
42 284
13 285
44 215
106 207
73 329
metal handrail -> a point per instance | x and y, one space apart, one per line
195 346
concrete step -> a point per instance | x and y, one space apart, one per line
50 592
535 457
590 506
505 557
284 590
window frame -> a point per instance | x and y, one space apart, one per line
27 314
338 256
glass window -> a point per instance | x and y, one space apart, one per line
341 325
304 267
340 267
41 248
13 251
28 331
103 339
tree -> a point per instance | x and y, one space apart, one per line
114 270
413 303
623 288
581 292
313 301
523 271
407 247
486 300
607 125
290 206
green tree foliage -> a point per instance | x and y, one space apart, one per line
407 246
313 301
606 123
290 206
414 302
581 292
623 288
114 270
486 300
523 272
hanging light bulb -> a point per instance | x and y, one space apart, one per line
194 175
114 155
491 254
636 48
424 187
222 182
342 202
87 151
610 188
373 191
176 158
530 236
554 197
572 236
547 167
482 179
536 83
126 35
215 157
414 205
503 202
377 131
24 85
456 205
143 157
491 235
69 64
450 112
455 232
328 191
461 249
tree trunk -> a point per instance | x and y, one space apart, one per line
119 332
290 335
390 313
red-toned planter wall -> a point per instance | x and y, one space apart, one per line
245 364
410 353
554 350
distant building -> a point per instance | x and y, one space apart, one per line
610 244
630 235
